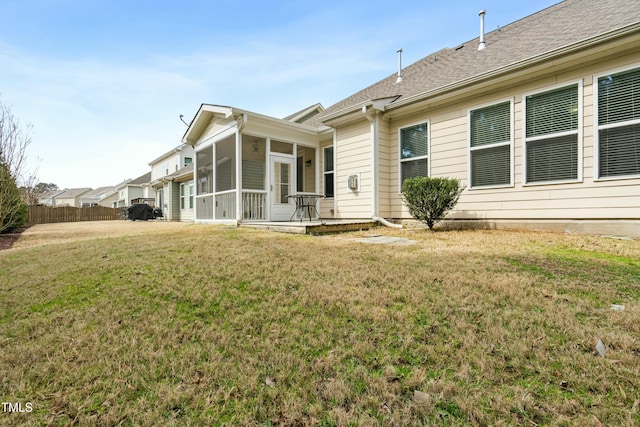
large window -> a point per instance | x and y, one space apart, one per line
328 170
552 128
490 145
414 151
619 124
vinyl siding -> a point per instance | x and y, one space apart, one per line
387 155
353 156
448 156
186 214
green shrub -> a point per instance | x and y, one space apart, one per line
429 199
13 211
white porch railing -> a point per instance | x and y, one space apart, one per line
226 205
254 205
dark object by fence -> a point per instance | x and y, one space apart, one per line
140 211
157 213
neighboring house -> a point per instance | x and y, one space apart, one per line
539 119
70 197
93 197
133 191
172 181
48 199
110 198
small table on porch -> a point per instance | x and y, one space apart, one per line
305 203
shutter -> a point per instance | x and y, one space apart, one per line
491 166
552 112
619 97
491 125
414 141
619 151
552 159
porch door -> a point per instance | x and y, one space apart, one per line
282 185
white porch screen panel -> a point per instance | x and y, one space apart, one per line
552 122
253 175
490 145
619 124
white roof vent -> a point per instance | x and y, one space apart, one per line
399 79
482 44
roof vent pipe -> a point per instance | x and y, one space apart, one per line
399 79
482 44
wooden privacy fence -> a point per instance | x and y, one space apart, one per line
48 214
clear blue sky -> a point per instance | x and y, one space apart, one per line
103 82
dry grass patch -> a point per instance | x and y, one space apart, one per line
211 326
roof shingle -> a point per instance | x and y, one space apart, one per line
553 28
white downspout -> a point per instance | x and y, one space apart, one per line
373 116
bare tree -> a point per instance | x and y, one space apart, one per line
14 140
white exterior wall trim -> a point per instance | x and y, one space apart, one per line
597 128
429 153
512 124
580 132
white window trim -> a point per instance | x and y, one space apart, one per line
578 132
597 128
333 171
191 186
500 144
183 193
401 160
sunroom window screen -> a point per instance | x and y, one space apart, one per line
619 113
491 125
414 141
552 112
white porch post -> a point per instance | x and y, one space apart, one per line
319 173
267 176
238 176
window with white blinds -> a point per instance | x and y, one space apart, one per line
414 151
619 124
490 145
552 128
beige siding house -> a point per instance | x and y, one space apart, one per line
70 197
540 119
542 125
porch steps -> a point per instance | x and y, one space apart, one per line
312 227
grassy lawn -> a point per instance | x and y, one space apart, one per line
214 326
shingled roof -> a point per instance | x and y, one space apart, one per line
551 30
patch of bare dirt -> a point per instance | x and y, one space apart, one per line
7 240
43 234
